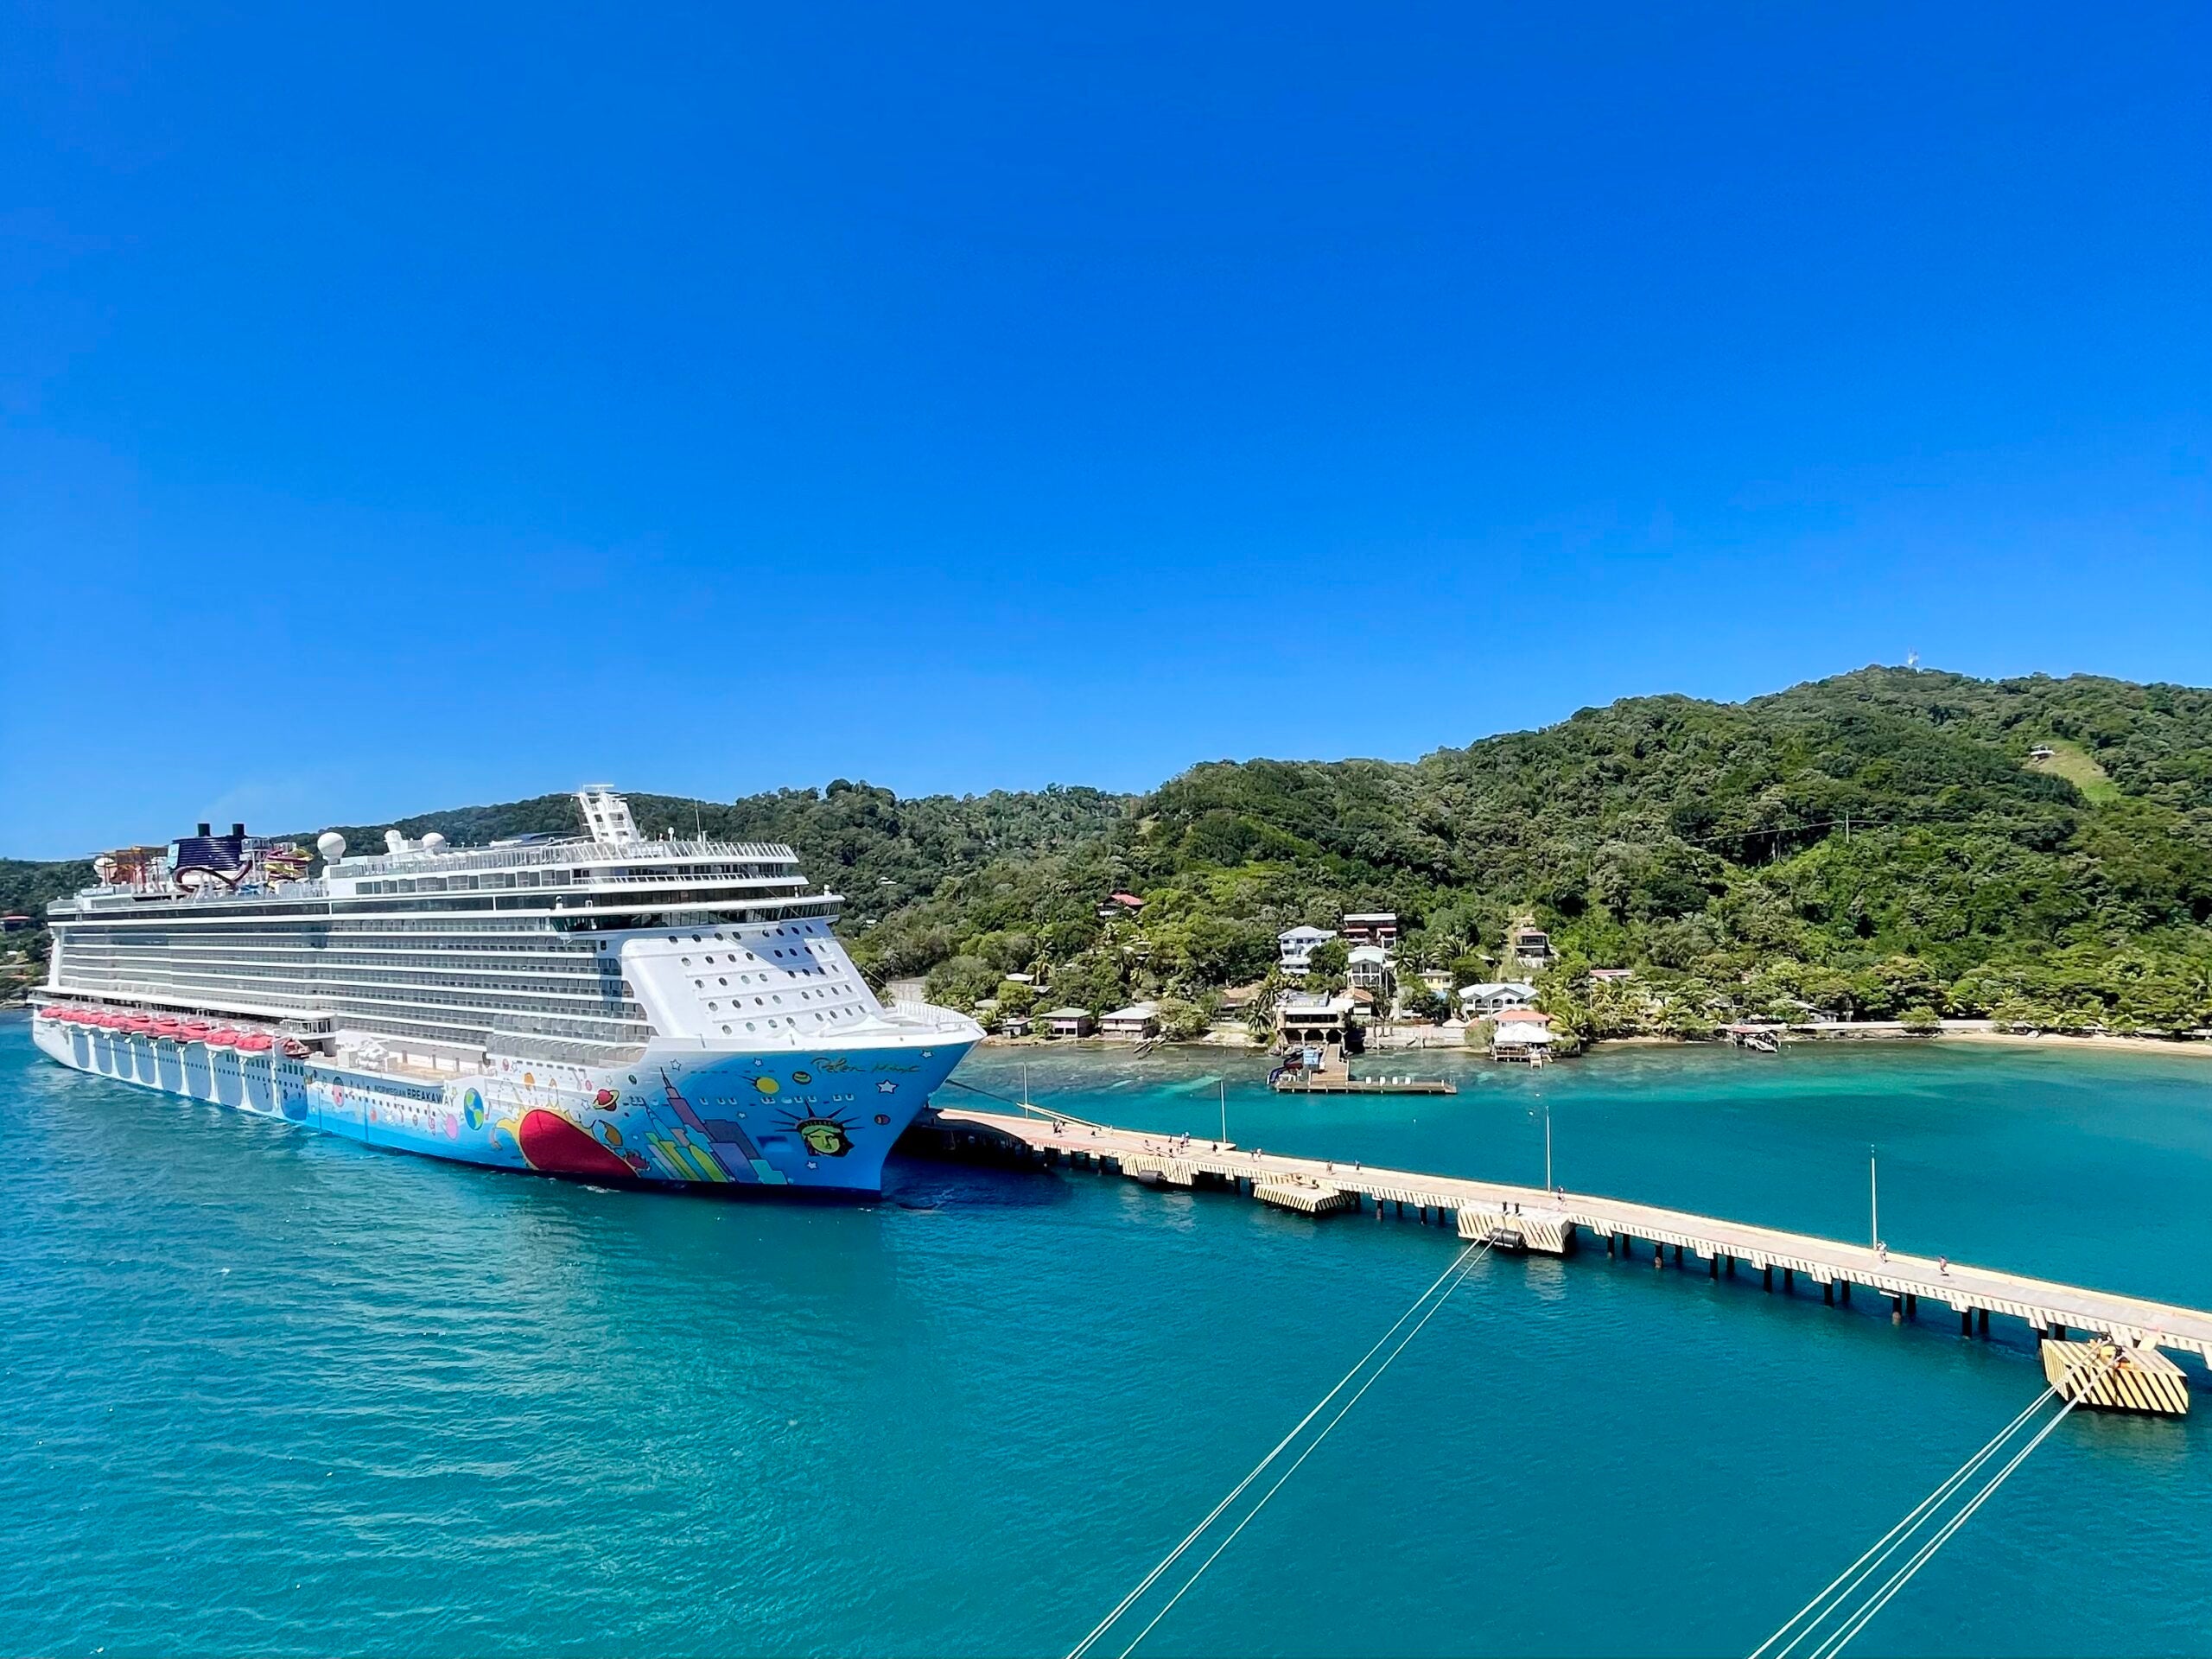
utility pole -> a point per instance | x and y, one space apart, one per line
1547 1148
1222 1089
1874 1203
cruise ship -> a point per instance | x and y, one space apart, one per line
603 1005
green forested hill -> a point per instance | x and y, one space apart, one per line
1876 845
1879 843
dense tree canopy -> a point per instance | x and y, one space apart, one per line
1887 843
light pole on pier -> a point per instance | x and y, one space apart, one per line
1222 1089
1873 1203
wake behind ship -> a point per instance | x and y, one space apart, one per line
604 1006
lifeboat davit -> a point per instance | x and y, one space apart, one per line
293 1049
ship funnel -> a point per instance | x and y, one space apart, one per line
206 829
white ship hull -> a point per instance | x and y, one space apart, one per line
683 1114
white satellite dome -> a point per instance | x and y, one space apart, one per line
331 845
434 842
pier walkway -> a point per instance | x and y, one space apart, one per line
1530 1217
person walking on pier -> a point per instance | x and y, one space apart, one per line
1943 1265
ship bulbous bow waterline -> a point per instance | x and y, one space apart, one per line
607 1007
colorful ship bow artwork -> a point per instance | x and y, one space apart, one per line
695 1149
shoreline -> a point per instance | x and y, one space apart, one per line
1869 1031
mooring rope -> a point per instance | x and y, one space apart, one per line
1312 1446
1887 1544
1824 1606
1461 1264
1029 1106
1904 1574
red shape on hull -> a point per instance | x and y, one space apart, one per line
559 1147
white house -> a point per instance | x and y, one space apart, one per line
1484 1001
1297 947
1134 1023
1368 969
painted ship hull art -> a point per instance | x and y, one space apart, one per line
801 1122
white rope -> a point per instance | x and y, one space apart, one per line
1260 1468
1904 1574
1832 1598
1888 1543
1302 1456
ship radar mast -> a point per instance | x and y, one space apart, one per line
606 816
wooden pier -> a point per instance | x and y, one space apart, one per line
1531 1218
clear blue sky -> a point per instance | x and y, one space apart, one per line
407 408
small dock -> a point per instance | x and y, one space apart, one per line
1558 1222
1332 1081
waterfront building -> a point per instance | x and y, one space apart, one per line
1522 1034
1133 1024
1296 946
1482 1001
1067 1022
1319 1023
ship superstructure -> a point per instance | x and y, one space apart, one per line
605 1004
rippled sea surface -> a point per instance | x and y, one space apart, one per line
271 1392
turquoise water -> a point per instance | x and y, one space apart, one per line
275 1392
